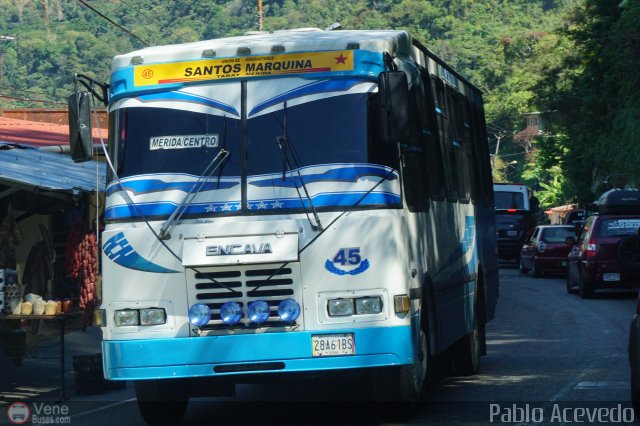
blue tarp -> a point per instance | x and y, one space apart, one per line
30 168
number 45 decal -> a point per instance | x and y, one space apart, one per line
347 256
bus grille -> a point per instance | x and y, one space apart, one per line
272 283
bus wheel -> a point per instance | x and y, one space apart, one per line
161 402
401 386
467 351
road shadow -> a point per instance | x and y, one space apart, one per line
616 294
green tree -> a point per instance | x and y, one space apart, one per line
595 90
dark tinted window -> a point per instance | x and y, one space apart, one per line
154 128
508 200
429 130
444 136
459 145
415 162
337 133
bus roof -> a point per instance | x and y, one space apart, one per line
396 42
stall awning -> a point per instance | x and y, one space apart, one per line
40 171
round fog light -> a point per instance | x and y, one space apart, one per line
230 313
199 314
289 310
258 311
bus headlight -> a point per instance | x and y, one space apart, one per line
199 314
340 307
258 311
368 305
230 313
152 316
126 317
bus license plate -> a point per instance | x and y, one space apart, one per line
333 344
611 276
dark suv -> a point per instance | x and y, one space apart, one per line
515 209
607 253
575 217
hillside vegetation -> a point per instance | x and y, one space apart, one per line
578 58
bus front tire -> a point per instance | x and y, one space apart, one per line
395 388
401 386
161 402
468 350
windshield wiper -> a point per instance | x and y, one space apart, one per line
361 199
285 148
179 211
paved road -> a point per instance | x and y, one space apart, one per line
556 352
546 348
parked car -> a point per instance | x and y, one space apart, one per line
545 252
607 253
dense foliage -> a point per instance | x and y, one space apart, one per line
595 94
578 58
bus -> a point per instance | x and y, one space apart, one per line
299 201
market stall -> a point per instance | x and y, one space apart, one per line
49 213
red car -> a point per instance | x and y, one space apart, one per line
607 255
545 252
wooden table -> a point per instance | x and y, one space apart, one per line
61 319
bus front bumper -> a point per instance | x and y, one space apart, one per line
184 357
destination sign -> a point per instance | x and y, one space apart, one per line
243 67
183 141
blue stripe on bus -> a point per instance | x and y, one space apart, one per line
351 173
322 86
322 200
180 96
119 250
346 174
197 356
146 186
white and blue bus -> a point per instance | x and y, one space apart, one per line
299 201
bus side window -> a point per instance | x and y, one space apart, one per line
474 153
444 132
431 141
460 148
415 161
379 153
482 152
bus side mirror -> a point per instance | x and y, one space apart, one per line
80 127
393 96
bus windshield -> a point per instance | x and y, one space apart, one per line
167 140
330 141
